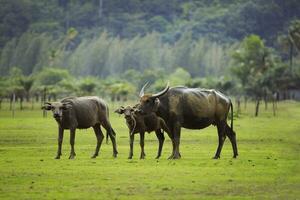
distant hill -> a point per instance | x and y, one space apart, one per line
219 19
37 34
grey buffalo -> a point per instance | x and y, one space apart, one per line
138 123
81 112
191 108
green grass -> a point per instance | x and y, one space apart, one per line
268 166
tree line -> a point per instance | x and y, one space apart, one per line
111 48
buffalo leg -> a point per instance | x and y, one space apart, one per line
72 142
176 132
142 143
60 140
222 137
171 136
112 136
232 137
161 138
131 146
173 149
99 136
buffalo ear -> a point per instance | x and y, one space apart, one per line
66 106
136 110
156 104
120 110
46 106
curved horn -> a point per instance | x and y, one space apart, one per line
46 106
142 92
162 92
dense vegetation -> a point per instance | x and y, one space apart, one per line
113 47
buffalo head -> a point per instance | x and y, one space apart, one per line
128 111
150 102
57 108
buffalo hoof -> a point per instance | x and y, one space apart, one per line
216 157
129 157
157 157
142 156
94 156
115 153
235 156
57 157
71 156
175 156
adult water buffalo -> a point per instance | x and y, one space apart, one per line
81 112
191 108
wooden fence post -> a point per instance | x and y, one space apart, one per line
44 100
13 105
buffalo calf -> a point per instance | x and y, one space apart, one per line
138 123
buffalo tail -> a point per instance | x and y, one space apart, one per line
106 137
231 124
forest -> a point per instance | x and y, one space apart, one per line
111 48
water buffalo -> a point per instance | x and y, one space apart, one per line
81 112
138 123
191 108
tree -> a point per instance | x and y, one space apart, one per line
294 39
15 89
294 33
252 61
52 76
26 82
87 85
158 24
179 77
4 84
51 79
15 17
120 90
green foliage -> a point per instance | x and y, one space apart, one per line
223 84
140 41
15 17
16 83
120 90
158 23
253 60
31 51
27 83
87 86
52 76
4 85
294 33
179 77
219 20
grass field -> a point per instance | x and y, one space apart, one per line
268 166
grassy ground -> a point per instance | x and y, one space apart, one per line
268 166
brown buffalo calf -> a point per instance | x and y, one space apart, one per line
138 123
